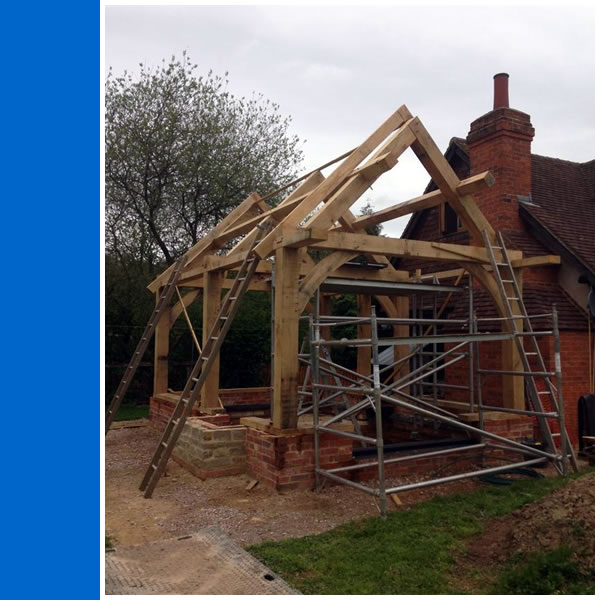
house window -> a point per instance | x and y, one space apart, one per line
449 220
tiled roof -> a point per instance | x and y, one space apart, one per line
563 197
562 193
539 298
517 240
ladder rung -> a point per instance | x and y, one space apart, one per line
502 264
232 298
223 318
543 393
195 379
154 467
164 444
242 279
507 281
213 337
531 353
205 358
555 434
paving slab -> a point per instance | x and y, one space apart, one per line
206 562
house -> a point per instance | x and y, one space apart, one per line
542 206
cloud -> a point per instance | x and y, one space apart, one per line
340 73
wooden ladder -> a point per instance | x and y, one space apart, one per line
534 367
199 373
164 299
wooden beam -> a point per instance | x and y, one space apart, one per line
309 184
256 285
299 236
280 211
536 261
211 303
285 367
161 351
208 243
519 263
447 181
435 198
337 178
371 244
362 179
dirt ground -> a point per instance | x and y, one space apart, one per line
182 504
564 517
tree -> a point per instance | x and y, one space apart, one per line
365 210
181 152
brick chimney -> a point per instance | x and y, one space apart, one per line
500 141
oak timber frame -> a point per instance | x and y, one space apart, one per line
316 214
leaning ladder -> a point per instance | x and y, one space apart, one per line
505 278
199 373
163 302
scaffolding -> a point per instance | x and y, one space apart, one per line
419 391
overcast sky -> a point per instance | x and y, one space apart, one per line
341 71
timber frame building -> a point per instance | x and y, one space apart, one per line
479 189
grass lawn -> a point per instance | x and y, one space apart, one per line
412 552
131 412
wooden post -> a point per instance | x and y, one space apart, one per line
161 351
400 351
513 387
363 353
285 368
211 302
325 309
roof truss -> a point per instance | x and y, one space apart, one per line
317 214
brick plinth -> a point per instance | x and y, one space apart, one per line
286 461
161 406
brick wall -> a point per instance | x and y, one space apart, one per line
576 374
162 408
287 461
238 396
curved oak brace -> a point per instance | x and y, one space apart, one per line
323 269
513 392
317 276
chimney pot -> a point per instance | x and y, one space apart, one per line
501 91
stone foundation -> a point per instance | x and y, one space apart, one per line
211 449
